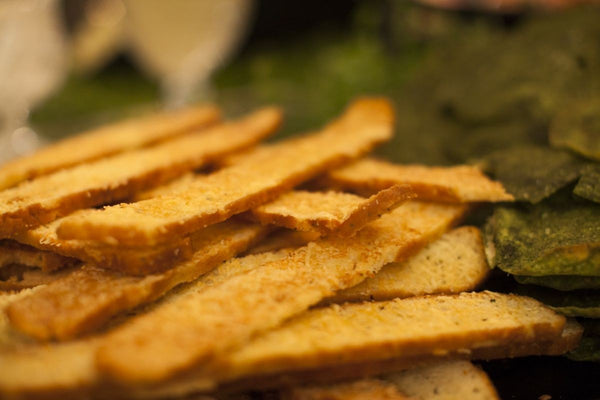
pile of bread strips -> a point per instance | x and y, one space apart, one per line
173 255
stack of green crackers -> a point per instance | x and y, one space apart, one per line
549 240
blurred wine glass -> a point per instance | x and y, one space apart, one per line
182 42
32 64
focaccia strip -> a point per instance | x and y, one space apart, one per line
107 140
84 300
260 177
201 324
44 199
460 184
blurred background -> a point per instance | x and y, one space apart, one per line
482 73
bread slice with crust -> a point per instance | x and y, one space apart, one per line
446 380
205 323
401 329
108 140
443 380
460 184
48 197
364 389
12 252
88 297
453 263
24 371
260 177
329 212
130 260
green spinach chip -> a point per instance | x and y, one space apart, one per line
561 282
588 186
578 128
532 173
580 303
560 236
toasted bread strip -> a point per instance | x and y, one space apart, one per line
44 199
259 178
567 341
12 252
331 211
454 263
284 239
365 389
131 260
323 212
444 380
18 277
401 328
202 324
449 184
176 185
85 299
50 371
24 371
107 140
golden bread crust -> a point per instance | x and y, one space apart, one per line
416 327
454 263
258 178
202 324
458 184
12 252
48 197
329 212
106 141
87 298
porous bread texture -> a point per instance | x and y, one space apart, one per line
24 371
12 252
568 340
256 179
453 263
48 197
443 380
199 325
178 184
329 212
323 212
365 389
446 380
87 298
284 239
108 140
461 183
395 329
